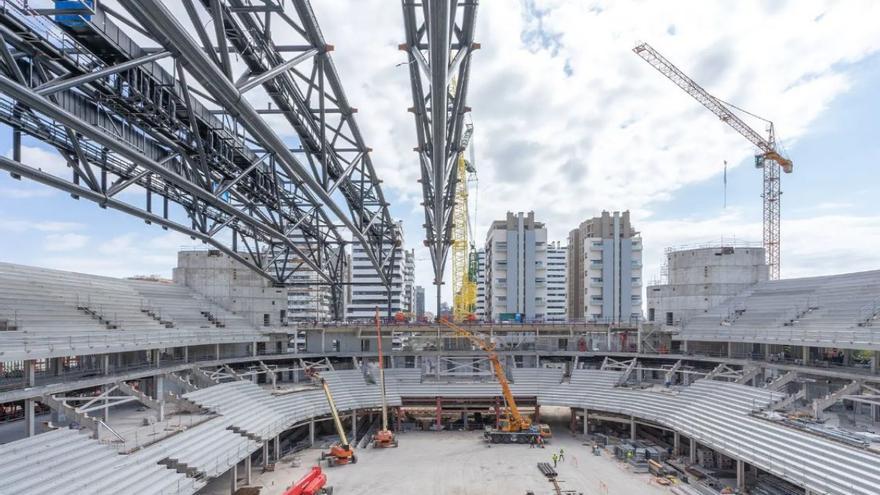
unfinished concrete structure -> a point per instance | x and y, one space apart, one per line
701 277
62 352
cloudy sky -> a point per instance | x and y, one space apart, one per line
570 122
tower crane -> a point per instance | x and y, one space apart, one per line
383 437
342 452
769 159
513 427
464 256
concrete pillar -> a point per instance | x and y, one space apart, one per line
216 351
740 475
875 413
159 389
233 483
676 443
106 363
586 422
464 419
265 453
875 362
254 348
572 421
847 357
805 354
58 366
247 471
186 354
684 346
693 451
29 412
438 413
278 448
765 348
312 433
537 413
632 428
157 357
354 425
730 349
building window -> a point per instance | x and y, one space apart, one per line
650 314
365 345
266 319
669 317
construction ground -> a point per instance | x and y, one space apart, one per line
462 463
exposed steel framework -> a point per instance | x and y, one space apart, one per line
439 44
172 124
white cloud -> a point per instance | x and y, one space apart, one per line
16 225
48 161
65 242
27 192
614 134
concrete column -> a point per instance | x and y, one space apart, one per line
875 413
186 354
106 363
676 443
157 354
216 351
438 412
254 348
740 475
572 421
29 412
766 350
805 354
278 448
730 349
684 346
586 422
693 451
233 483
58 366
354 425
632 428
265 453
159 388
875 362
464 419
247 471
312 433
537 413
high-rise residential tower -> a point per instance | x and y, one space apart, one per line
605 270
516 269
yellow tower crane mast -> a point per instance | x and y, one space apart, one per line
464 262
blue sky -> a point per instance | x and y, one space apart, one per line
578 125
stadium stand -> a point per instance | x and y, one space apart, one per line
49 313
834 311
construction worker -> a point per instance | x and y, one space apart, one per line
561 455
555 458
532 442
541 441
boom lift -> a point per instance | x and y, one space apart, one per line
340 453
313 483
513 426
384 437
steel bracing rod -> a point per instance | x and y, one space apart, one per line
668 69
63 84
433 32
37 175
337 148
155 18
45 60
26 96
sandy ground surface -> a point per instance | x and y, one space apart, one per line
461 463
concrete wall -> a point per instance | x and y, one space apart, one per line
232 285
701 278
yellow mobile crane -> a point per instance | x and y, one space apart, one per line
340 453
513 427
464 256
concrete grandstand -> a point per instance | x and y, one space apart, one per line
215 395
